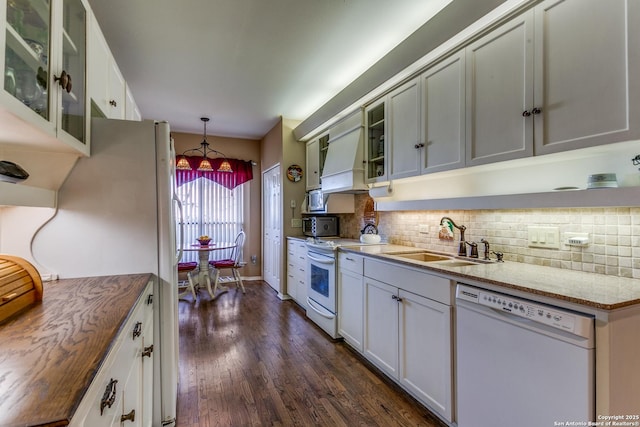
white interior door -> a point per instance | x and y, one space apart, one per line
272 226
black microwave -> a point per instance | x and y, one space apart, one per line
320 226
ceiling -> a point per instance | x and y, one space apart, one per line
245 63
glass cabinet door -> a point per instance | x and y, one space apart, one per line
27 53
375 142
72 70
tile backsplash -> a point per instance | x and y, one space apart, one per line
614 234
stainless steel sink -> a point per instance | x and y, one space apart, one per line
424 257
456 263
434 258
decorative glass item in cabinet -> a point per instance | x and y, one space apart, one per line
27 53
74 42
375 148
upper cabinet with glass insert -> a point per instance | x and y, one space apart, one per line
375 142
44 62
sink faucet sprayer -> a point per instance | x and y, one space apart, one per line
462 249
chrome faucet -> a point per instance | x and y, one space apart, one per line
462 249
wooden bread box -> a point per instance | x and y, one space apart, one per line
20 285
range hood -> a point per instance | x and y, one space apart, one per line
344 169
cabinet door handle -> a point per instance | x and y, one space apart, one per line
526 113
131 416
137 330
147 351
109 396
349 259
150 299
64 81
397 298
536 110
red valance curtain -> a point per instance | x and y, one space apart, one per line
242 172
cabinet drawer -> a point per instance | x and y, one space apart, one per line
410 279
351 262
122 364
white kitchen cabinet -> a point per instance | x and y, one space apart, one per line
499 91
148 361
381 326
408 331
425 350
443 115
44 59
316 155
131 110
547 82
351 299
106 84
376 141
586 73
297 271
313 165
121 393
405 137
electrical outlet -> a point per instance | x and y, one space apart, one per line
576 239
543 237
423 229
254 259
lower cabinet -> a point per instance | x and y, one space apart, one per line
297 271
408 331
121 394
351 300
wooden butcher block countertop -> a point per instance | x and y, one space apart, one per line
50 353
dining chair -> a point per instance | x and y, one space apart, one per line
233 263
188 269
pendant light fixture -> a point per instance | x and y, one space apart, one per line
205 164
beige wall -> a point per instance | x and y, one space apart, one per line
243 149
614 234
271 153
279 146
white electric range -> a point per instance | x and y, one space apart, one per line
322 303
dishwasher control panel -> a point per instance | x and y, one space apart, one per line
541 313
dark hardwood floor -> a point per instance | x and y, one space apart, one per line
254 360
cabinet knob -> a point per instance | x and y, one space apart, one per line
526 113
109 396
147 351
397 298
113 103
536 110
64 81
137 330
417 146
131 416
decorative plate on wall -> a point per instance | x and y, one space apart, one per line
294 173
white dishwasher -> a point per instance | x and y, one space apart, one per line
521 363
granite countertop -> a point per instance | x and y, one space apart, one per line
588 289
51 352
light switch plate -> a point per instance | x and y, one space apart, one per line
543 237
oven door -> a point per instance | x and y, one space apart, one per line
321 279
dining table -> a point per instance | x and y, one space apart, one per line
204 251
